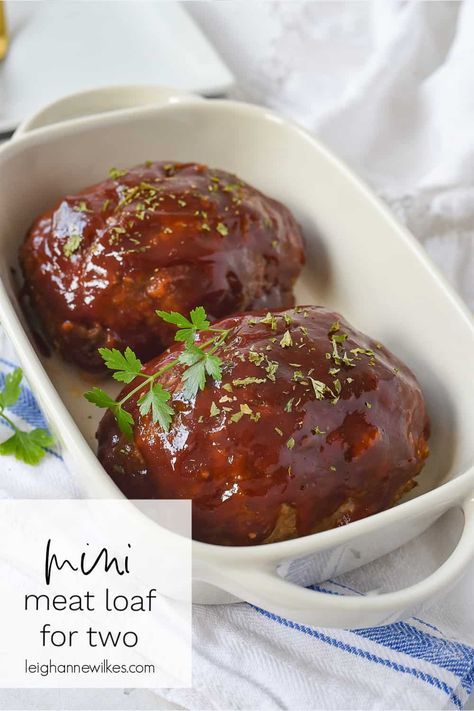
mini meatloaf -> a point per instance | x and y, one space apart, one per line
159 236
313 425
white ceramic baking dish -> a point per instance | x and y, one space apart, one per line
360 262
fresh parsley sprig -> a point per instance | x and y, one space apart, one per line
198 358
28 447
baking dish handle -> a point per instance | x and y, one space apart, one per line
267 590
98 101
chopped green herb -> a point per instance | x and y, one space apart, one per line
214 411
347 360
319 388
271 369
222 229
230 188
286 340
363 351
255 357
248 381
82 207
269 320
71 245
115 173
291 443
244 410
227 398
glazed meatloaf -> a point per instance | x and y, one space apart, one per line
312 425
159 236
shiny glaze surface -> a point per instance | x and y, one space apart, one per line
160 235
275 459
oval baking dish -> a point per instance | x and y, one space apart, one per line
360 263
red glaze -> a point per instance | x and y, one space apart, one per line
292 464
159 236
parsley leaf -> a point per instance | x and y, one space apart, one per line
156 400
11 390
175 318
124 420
127 365
199 318
199 361
191 355
99 397
200 364
187 328
28 447
212 365
194 379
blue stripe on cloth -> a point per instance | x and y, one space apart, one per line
9 363
455 657
423 622
364 654
402 637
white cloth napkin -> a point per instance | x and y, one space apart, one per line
390 86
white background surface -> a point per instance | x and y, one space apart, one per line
58 48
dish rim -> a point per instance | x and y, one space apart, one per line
442 497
